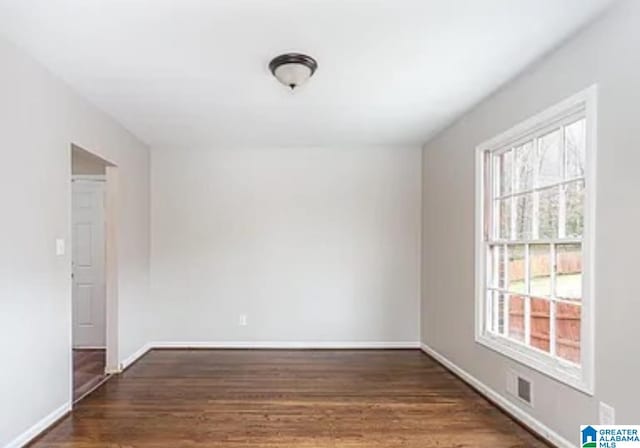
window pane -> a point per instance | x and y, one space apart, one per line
575 209
548 213
575 149
540 270
540 324
550 160
568 331
499 264
504 166
500 304
524 212
504 218
569 271
515 268
524 167
516 318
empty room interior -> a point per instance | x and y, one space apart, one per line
304 223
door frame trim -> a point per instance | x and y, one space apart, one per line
111 276
89 177
112 364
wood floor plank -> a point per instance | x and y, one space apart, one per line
278 398
88 370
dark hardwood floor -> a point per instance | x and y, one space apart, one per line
88 370
277 398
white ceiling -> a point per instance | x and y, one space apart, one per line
194 72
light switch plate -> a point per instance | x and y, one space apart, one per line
243 320
59 246
607 414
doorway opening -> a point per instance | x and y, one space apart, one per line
93 271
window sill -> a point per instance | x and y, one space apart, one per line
556 369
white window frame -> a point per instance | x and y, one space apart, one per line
579 377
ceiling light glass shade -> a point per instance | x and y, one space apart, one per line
293 69
292 75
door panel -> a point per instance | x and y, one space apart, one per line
88 263
83 245
84 299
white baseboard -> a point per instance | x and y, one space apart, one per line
39 427
287 345
262 345
133 357
500 401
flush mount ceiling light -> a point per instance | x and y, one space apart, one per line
293 69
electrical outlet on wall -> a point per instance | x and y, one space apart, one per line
607 414
243 320
59 246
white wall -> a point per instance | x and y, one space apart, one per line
314 245
39 119
608 53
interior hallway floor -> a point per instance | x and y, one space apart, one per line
88 370
278 398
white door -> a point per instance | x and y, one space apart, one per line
88 263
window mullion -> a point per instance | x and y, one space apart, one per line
562 202
495 295
535 227
550 186
494 231
540 241
565 158
507 296
495 310
515 178
562 212
493 216
527 298
488 234
488 294
552 302
535 211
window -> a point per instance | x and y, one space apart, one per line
535 208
